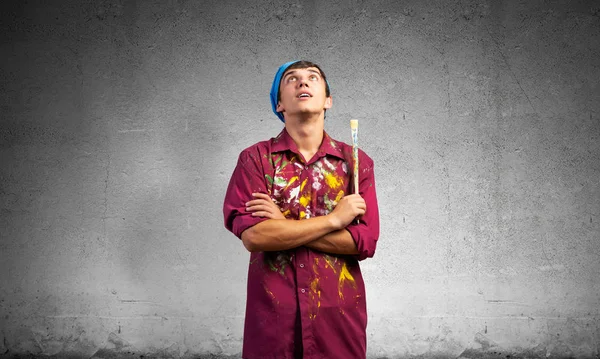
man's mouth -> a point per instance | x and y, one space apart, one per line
304 94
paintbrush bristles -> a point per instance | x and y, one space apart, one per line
354 124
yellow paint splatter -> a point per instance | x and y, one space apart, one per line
291 181
302 214
332 180
314 286
305 200
315 292
345 276
271 294
329 263
286 213
315 296
339 196
303 184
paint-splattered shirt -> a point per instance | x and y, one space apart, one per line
302 300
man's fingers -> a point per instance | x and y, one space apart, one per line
354 196
263 214
262 196
263 206
358 202
268 214
257 202
260 207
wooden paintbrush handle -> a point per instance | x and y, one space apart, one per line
354 128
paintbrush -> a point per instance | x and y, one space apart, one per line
354 128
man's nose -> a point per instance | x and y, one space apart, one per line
302 82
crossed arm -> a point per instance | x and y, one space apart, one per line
324 233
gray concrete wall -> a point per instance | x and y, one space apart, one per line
121 123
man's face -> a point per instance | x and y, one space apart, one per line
302 91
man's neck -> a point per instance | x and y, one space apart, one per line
307 134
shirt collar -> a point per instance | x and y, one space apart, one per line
285 142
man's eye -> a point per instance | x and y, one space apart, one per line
314 78
291 79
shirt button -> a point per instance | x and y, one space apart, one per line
301 265
303 290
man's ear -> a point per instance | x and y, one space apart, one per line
328 103
279 108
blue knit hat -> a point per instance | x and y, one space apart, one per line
275 87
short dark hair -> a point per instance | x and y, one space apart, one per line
304 65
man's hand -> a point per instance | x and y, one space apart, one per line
263 206
347 209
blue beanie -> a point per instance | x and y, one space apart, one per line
275 87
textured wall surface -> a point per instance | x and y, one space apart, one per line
121 122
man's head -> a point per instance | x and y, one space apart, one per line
299 86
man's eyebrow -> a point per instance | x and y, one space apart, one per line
294 71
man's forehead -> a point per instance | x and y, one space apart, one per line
310 69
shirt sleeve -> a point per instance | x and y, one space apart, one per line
247 178
366 232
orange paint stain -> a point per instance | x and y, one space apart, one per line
315 298
345 276
271 294
329 263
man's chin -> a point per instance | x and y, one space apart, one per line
306 112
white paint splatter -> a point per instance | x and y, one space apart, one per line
294 193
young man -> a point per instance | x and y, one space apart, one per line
290 200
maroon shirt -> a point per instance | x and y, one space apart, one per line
301 300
